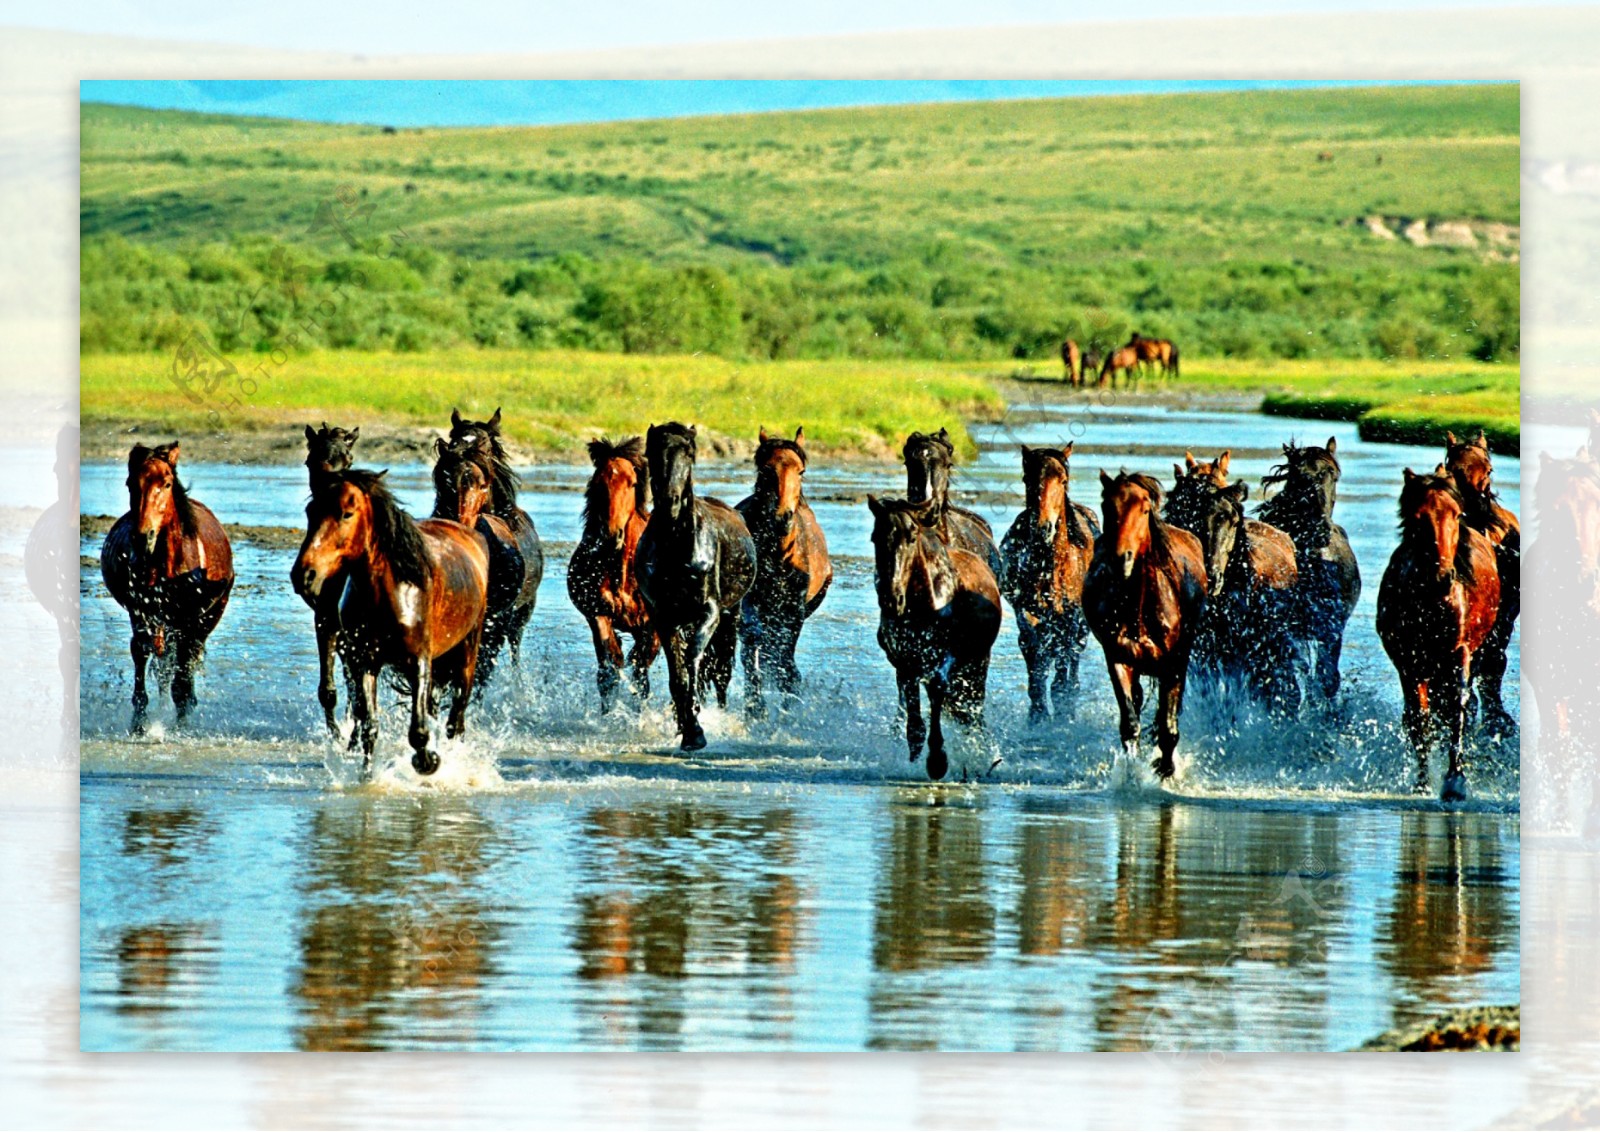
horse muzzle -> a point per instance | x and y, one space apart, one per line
1128 558
307 582
150 538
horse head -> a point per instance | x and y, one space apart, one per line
1469 466
483 441
1215 471
155 497
330 450
1128 504
1220 526
1045 477
461 487
928 459
1431 510
619 487
670 453
1567 499
780 464
339 528
912 567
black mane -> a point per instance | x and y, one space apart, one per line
1418 486
596 500
395 533
489 451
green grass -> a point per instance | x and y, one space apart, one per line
554 402
957 231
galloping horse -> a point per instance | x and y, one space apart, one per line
1330 580
329 451
1124 360
481 442
793 571
928 459
1144 598
1473 472
167 561
1436 607
938 617
462 492
696 562
601 579
1072 360
1047 553
1252 574
412 596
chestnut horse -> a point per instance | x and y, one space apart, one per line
1072 360
1470 467
1252 575
1046 554
329 451
412 597
463 492
167 561
793 571
929 458
938 617
602 580
696 563
1157 351
1436 607
1125 361
1145 599
1330 580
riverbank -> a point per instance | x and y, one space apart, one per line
1481 1029
555 401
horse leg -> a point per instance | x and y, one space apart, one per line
1330 645
1033 648
423 761
681 677
1490 662
1170 708
752 640
724 643
1130 701
788 670
1457 681
327 692
520 616
640 657
141 646
1417 725
186 658
364 703
938 763
608 658
463 678
911 704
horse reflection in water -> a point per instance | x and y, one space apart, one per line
166 964
395 948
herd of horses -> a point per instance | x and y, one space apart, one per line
1177 584
1139 354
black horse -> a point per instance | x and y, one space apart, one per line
929 459
696 561
329 452
1330 581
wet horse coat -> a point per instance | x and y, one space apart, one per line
1472 471
329 451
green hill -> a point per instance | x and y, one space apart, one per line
1234 223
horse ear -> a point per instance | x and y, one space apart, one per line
1333 445
1177 472
1106 481
1189 462
800 436
311 434
170 453
1222 461
1594 416
1408 474
137 456
1240 491
1480 441
1025 450
1439 471
494 421
438 446
874 505
381 474
943 433
1450 439
455 418
1545 457
1066 449
763 435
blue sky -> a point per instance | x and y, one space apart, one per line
480 103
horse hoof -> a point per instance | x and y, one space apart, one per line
938 765
1455 788
1164 768
424 762
694 741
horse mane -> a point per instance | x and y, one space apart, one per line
394 532
188 522
1411 494
778 444
490 453
596 501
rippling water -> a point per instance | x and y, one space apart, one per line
572 882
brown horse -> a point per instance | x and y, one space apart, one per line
167 561
601 579
696 563
1436 607
1472 470
1330 580
1214 472
413 597
329 451
1145 599
1156 351
793 571
1072 360
938 617
1047 553
1124 361
929 460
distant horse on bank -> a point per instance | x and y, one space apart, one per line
1472 471
329 451
413 597
1145 599
1436 606
696 563
1046 554
603 578
1124 360
793 570
167 561
1330 580
929 460
1156 351
938 617
462 492
1072 362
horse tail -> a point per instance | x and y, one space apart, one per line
1175 359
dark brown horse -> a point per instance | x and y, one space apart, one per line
1047 553
938 617
602 579
1251 572
167 561
413 597
1470 467
929 460
1145 600
696 563
329 451
793 571
1330 580
1072 361
1156 351
519 564
1436 607
1125 361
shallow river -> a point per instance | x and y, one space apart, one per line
569 881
